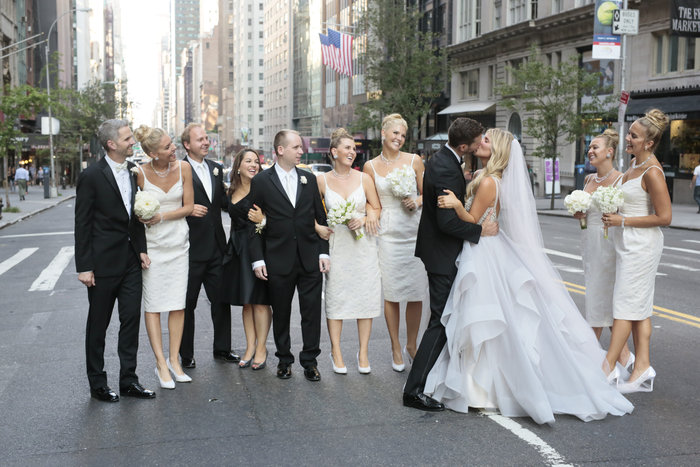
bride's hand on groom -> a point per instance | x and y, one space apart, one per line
489 228
449 200
145 261
199 210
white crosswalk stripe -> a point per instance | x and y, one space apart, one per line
49 276
20 256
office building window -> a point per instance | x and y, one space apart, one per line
674 54
469 84
470 19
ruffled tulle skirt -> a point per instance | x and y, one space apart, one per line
517 342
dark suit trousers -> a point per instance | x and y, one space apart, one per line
210 274
309 285
434 337
126 290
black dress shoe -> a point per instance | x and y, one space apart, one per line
136 390
189 363
284 370
104 394
227 356
311 373
422 402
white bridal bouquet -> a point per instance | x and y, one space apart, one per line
578 201
342 214
402 181
145 205
608 199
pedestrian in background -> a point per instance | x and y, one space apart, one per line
21 178
695 185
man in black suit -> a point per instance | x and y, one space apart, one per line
289 254
440 237
110 250
207 247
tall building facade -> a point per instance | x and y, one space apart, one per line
184 27
307 105
225 122
278 71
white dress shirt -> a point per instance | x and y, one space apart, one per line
289 181
121 174
202 170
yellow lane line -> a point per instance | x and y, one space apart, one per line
660 311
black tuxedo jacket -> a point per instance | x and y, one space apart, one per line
207 236
440 232
289 233
102 226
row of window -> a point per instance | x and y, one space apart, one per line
675 54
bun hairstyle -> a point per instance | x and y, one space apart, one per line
149 138
654 122
338 135
611 137
393 119
500 155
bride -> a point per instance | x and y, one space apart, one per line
515 340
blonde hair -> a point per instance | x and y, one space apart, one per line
500 155
611 137
394 119
149 138
654 122
338 135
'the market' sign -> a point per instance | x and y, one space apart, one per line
685 18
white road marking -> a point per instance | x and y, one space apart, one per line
684 250
562 254
548 453
679 266
20 256
565 268
37 234
49 276
692 241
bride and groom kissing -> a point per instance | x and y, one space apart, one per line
504 333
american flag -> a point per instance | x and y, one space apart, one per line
341 44
325 49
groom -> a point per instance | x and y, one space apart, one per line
289 254
440 237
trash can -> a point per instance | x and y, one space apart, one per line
579 175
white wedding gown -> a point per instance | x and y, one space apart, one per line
517 342
165 281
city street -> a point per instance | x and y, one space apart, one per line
229 416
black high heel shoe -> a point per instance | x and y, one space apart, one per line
259 366
244 363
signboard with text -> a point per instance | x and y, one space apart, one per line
625 22
685 18
548 177
606 45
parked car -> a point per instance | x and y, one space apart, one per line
316 168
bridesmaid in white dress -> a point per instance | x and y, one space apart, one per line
167 238
403 275
638 246
353 285
599 252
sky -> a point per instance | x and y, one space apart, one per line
144 23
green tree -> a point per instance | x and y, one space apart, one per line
404 69
561 103
16 102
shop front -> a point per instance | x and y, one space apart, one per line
679 150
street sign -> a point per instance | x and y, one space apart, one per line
625 22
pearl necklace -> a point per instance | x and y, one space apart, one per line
388 161
636 166
603 178
162 174
342 177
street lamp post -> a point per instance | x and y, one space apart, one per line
54 187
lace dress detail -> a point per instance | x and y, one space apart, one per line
403 275
165 281
353 284
637 253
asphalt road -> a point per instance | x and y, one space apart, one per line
229 416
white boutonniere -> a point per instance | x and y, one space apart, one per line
135 170
303 180
260 226
216 171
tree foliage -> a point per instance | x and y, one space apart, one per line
561 103
403 68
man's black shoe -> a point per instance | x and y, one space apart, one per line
422 402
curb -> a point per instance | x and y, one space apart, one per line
33 213
566 214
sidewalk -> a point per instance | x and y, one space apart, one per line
685 216
33 204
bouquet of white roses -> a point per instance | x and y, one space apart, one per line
145 205
402 181
608 199
578 201
342 214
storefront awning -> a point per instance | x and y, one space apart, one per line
676 107
468 108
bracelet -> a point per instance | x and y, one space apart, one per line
623 221
161 219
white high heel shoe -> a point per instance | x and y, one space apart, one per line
407 356
165 384
337 369
645 383
613 377
630 363
365 370
183 378
398 367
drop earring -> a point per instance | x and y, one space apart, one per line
238 172
335 157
